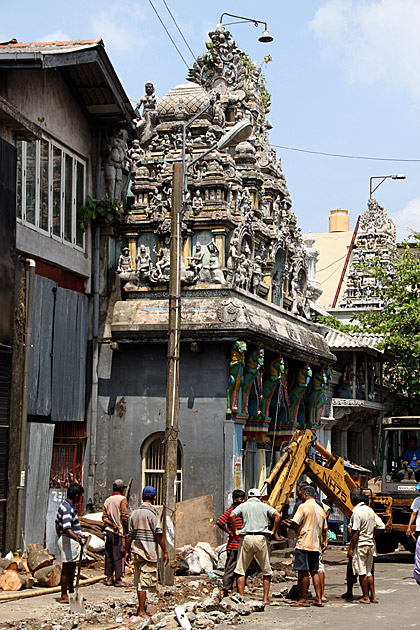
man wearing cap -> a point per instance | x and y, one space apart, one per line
115 517
415 515
144 535
254 538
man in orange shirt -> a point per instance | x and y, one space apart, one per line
311 528
115 517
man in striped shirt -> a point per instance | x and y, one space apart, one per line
144 535
238 497
69 532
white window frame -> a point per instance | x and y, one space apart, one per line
74 210
159 471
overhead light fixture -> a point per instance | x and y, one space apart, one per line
265 37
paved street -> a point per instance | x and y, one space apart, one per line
397 592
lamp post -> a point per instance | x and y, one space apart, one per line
239 132
382 178
265 37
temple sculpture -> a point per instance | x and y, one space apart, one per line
375 243
246 333
238 200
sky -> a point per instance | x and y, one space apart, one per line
344 80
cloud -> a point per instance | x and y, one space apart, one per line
376 40
407 220
56 36
121 26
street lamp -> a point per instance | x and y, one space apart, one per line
382 178
265 37
238 133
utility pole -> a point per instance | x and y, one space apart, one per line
172 374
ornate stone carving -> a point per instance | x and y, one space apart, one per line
113 164
228 311
375 241
148 121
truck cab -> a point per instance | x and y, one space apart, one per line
398 479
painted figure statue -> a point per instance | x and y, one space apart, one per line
236 370
314 392
274 374
300 383
254 363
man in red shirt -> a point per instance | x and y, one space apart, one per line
238 496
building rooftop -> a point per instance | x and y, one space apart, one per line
86 68
338 340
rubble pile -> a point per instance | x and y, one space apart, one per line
200 598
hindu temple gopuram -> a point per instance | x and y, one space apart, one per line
376 241
253 365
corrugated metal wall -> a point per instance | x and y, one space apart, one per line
57 378
39 452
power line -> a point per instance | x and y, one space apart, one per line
180 32
168 33
331 264
349 157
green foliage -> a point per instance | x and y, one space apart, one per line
399 319
107 209
333 322
250 67
41 120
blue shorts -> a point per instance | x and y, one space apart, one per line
306 561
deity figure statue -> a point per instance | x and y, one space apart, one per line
275 290
125 264
212 272
148 121
155 201
256 274
136 153
144 262
196 259
210 136
163 260
197 202
232 261
113 165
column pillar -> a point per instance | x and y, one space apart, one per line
267 279
186 249
219 236
261 465
132 246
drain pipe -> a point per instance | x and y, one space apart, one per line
95 333
24 417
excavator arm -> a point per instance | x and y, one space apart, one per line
330 476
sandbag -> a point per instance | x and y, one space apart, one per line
192 558
206 555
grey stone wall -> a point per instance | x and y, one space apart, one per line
132 390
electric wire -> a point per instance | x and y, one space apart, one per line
331 264
168 33
349 157
179 30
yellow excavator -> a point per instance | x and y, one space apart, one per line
336 478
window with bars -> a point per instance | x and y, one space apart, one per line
51 185
154 465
